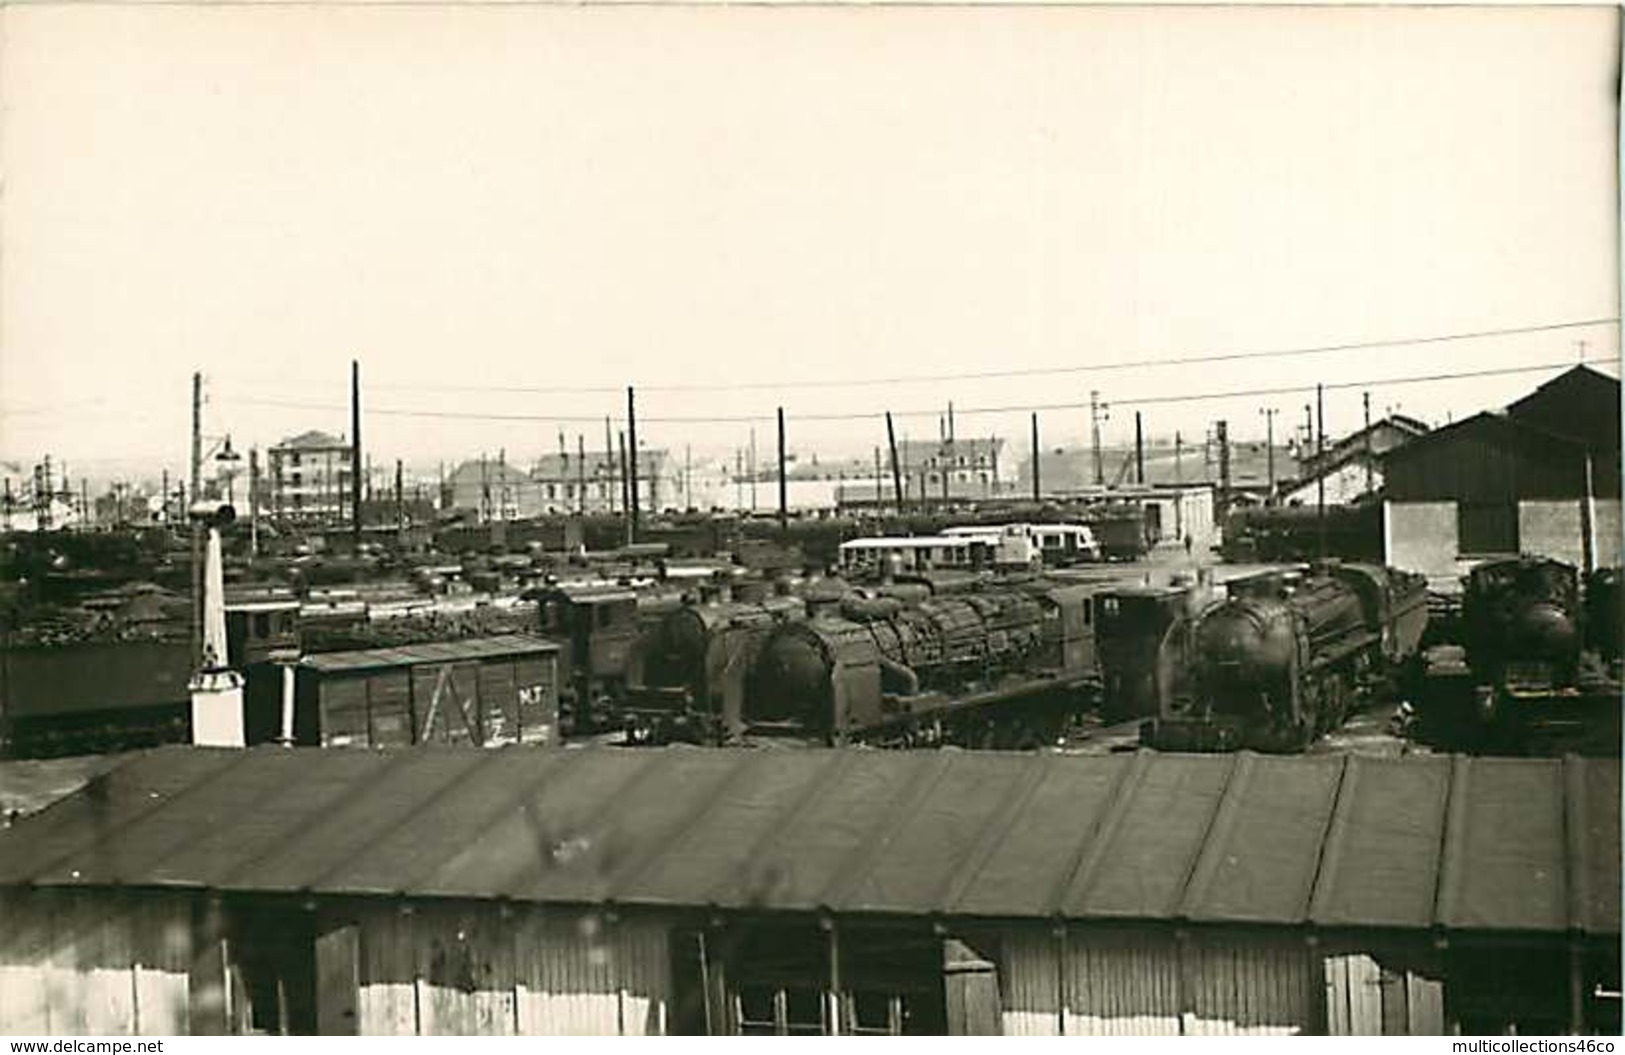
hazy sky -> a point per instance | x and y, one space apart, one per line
565 197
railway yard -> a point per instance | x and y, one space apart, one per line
806 775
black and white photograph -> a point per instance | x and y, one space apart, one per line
809 519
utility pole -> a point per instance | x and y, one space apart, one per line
1320 458
1269 448
784 484
355 449
581 474
1365 401
196 525
400 496
1179 453
880 490
739 478
609 461
1097 410
485 490
688 477
254 502
1038 490
896 468
1139 451
1221 434
626 503
751 465
632 463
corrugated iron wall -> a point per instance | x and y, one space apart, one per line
470 970
1128 981
1030 980
86 963
1251 985
1121 983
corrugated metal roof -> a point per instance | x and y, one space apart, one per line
1455 843
472 648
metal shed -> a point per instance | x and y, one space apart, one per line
603 890
485 691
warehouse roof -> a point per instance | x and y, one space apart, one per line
465 650
1421 842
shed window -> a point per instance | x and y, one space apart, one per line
1486 527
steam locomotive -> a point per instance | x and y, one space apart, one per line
1001 666
1543 662
686 675
1278 664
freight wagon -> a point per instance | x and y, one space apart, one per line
93 696
489 691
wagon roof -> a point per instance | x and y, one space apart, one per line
473 648
1422 843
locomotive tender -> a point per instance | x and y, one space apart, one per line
1277 665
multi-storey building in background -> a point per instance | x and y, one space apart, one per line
310 477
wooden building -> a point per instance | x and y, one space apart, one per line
1541 478
600 891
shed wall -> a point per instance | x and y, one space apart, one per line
86 963
1131 981
468 970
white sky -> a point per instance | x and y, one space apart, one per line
594 196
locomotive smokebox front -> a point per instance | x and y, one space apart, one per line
1544 632
793 678
1243 647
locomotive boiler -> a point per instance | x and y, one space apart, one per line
685 679
1005 666
1279 665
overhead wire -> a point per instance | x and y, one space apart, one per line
988 375
875 415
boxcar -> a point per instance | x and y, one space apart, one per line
489 691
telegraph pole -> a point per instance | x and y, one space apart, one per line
1365 401
196 525
632 463
1038 490
896 468
1095 410
581 474
400 496
880 489
355 449
739 478
751 465
1139 451
1179 452
1320 468
784 488
1221 435
626 503
1269 447
609 460
254 502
